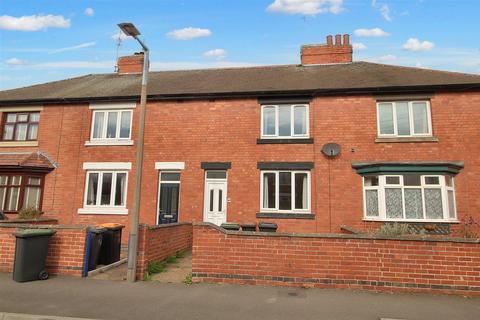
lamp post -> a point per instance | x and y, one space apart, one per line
130 30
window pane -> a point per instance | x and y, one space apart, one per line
11 117
451 204
112 125
420 117
92 189
22 118
284 126
32 132
300 120
220 198
269 191
170 176
120 187
8 132
393 202
392 180
16 180
403 121
98 124
35 117
411 180
285 191
449 181
371 181
269 121
385 118
432 180
433 203
211 200
174 203
35 181
2 198
21 132
413 204
371 203
125 124
301 191
106 189
3 180
12 202
216 175
32 197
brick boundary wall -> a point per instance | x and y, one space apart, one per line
445 266
158 242
66 249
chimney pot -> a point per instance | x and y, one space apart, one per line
346 39
330 40
338 40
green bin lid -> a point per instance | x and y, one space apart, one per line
30 233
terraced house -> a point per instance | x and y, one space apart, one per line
314 147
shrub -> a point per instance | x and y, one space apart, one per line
29 213
156 267
188 279
393 230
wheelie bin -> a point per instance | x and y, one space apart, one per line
112 243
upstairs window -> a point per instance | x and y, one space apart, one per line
411 197
285 121
111 125
20 126
404 119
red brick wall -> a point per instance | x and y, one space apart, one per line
336 261
65 252
158 242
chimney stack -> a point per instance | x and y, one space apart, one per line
130 64
340 52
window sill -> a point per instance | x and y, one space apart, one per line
109 143
405 139
285 141
6 144
278 215
410 220
106 210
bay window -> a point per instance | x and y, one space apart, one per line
285 191
20 191
410 197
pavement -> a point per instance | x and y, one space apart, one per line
100 299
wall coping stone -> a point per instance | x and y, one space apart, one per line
161 226
42 226
24 221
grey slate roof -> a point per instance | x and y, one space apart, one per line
252 81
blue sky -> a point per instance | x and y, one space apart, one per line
46 40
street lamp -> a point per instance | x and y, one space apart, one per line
130 30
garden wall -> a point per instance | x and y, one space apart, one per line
158 242
449 266
65 253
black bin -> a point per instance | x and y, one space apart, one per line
31 250
267 227
96 239
249 227
111 244
230 226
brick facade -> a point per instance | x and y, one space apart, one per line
66 251
336 261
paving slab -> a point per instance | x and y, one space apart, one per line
23 316
176 272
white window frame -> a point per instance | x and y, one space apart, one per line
160 181
277 188
411 120
292 122
105 209
423 185
103 140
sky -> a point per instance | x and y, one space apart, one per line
48 40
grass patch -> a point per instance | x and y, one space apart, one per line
171 259
147 277
188 279
179 254
156 267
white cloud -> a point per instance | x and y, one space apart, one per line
374 32
89 12
189 33
15 62
413 44
120 36
387 58
359 46
33 23
79 46
385 12
306 7
215 53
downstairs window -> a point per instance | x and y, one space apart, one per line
20 191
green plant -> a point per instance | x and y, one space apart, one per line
188 279
156 267
393 230
179 254
147 277
171 259
29 213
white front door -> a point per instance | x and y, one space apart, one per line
215 210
